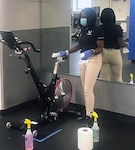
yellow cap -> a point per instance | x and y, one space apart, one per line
28 122
95 115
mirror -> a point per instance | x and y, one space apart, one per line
121 9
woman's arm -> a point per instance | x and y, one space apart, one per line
74 49
122 43
99 49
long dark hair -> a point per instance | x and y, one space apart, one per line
108 16
91 17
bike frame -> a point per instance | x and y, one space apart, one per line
46 92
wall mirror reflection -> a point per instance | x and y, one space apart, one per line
122 12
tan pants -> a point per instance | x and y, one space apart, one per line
88 75
111 65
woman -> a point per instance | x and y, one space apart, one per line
113 41
90 44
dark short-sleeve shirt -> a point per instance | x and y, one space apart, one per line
88 38
111 34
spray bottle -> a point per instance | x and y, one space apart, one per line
28 135
131 78
95 127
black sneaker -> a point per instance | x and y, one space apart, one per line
81 118
88 121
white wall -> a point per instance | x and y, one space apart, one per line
101 3
19 14
55 13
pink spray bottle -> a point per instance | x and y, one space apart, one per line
28 135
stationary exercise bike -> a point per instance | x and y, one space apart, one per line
53 98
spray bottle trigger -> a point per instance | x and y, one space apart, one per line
28 122
34 122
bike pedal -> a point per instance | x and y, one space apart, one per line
53 116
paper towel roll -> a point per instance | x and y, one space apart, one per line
85 138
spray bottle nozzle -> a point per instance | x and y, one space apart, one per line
95 115
29 122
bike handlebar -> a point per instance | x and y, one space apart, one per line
30 43
14 42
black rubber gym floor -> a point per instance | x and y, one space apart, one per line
117 132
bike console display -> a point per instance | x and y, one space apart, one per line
8 39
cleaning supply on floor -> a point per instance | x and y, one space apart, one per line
28 135
95 127
85 138
131 78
